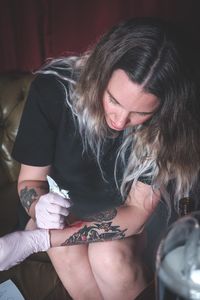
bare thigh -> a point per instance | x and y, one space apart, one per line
72 266
118 268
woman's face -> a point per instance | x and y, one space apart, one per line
125 103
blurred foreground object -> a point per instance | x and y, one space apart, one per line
178 260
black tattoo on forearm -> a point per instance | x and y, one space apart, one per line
96 233
27 197
103 216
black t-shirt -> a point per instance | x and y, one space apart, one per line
48 135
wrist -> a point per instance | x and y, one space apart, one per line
39 239
31 211
58 236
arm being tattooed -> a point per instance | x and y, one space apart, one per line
119 223
97 231
106 215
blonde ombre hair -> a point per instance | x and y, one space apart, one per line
166 149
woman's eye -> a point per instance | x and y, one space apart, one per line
111 100
142 114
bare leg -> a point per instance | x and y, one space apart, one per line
72 266
116 265
109 269
117 268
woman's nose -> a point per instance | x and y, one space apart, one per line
121 119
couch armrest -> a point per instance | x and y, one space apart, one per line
13 94
8 208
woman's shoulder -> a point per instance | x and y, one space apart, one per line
49 96
46 92
59 77
48 84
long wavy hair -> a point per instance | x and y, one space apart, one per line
166 148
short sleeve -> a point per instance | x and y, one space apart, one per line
35 140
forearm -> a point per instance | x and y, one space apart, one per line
123 222
30 192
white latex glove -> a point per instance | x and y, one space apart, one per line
51 211
17 246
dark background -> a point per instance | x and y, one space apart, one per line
32 31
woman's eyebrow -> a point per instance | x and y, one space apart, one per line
109 93
139 112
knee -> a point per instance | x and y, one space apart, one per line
67 256
60 258
106 258
58 254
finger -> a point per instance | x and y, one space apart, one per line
54 218
57 199
57 225
59 210
63 211
51 225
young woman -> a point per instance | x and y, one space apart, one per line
114 127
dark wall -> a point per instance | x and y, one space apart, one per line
33 30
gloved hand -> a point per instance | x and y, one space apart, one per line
51 211
17 246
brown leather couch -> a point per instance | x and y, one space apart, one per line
35 277
13 92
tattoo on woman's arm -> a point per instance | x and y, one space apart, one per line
27 197
103 216
95 233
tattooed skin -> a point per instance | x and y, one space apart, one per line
95 233
102 216
27 197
